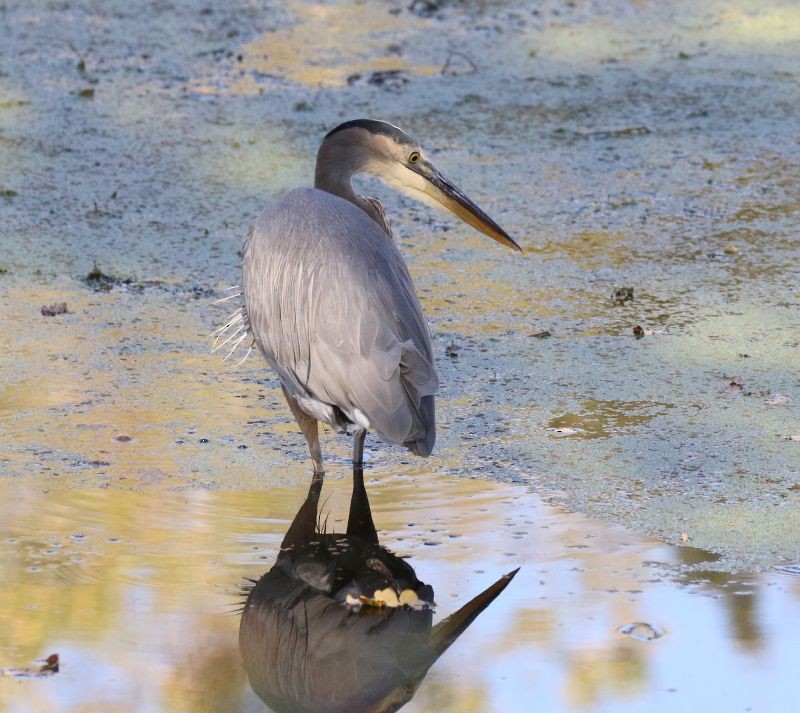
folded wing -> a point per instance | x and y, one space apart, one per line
334 311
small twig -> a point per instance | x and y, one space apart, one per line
457 53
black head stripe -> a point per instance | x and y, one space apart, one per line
375 127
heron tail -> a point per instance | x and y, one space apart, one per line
423 445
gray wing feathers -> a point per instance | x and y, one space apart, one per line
333 309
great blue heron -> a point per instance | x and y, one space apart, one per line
307 642
329 301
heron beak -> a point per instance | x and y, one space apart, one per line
448 630
443 192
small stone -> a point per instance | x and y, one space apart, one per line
642 631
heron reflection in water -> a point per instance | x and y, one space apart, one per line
340 624
329 301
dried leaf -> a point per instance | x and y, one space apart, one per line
54 309
734 385
777 400
50 665
621 295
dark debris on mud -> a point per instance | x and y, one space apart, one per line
54 309
621 295
390 79
99 281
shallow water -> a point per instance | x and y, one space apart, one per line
145 618
650 146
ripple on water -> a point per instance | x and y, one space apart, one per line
792 569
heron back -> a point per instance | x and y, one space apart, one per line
333 309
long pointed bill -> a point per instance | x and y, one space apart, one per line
448 630
438 188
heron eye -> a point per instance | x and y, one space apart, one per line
413 157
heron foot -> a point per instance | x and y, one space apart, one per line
359 436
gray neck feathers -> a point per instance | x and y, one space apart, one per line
338 160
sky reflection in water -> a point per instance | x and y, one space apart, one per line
145 619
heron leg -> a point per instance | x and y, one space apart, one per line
304 525
359 436
360 522
309 428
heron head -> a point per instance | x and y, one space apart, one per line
389 153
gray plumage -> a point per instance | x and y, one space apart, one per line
306 650
343 327
329 301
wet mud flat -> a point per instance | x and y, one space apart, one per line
638 365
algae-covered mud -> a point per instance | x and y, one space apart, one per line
637 365
626 145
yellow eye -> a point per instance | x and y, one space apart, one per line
413 157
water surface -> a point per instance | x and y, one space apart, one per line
145 618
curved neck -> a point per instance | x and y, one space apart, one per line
337 163
337 181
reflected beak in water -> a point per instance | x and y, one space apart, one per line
437 190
